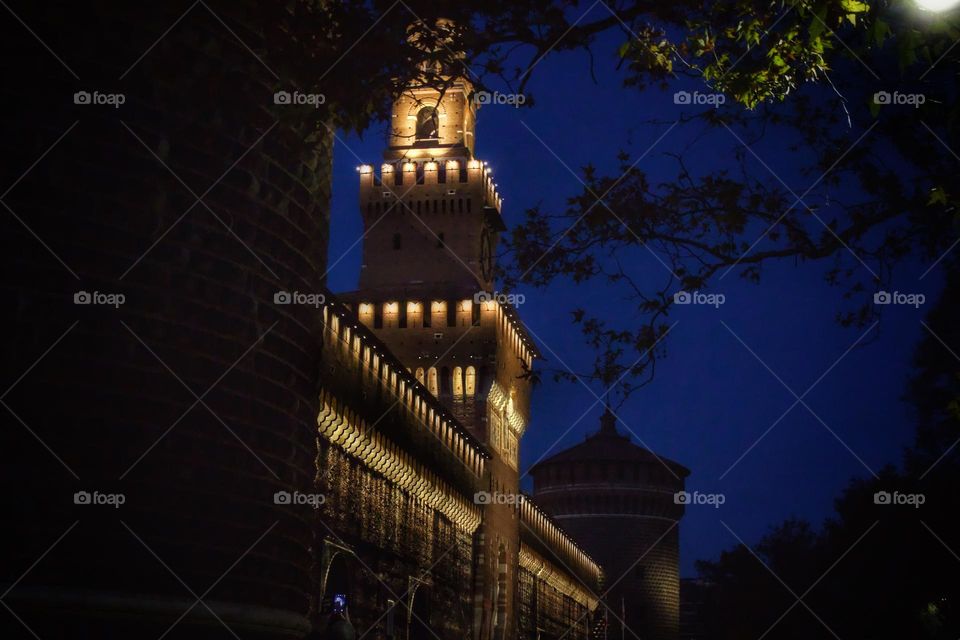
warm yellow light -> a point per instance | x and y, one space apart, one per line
386 168
937 5
430 166
409 166
453 165
473 164
365 168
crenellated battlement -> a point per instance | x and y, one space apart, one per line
342 427
449 314
456 185
541 530
371 357
548 572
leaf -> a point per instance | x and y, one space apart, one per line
818 24
937 196
854 6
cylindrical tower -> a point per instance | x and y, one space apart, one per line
618 500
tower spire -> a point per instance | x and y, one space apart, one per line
608 422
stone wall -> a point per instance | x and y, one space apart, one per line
104 398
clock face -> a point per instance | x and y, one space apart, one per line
486 255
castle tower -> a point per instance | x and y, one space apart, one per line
432 216
432 220
617 500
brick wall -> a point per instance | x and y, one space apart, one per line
199 502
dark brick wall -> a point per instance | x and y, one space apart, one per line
201 496
624 515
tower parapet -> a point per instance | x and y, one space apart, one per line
619 501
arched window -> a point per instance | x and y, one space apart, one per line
471 381
432 381
428 124
420 375
457 381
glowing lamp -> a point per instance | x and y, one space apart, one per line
386 168
365 168
937 5
409 166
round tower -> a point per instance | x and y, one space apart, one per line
623 504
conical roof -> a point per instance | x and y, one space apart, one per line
609 445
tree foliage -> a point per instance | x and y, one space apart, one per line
826 83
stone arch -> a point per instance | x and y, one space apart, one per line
428 123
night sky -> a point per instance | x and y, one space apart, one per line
711 399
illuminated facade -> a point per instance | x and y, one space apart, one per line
424 405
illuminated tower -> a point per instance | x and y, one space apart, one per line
431 221
617 499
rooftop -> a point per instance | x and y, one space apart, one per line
609 445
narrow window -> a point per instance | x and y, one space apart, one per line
428 124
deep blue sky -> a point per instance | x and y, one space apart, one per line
711 399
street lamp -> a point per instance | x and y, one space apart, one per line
937 5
